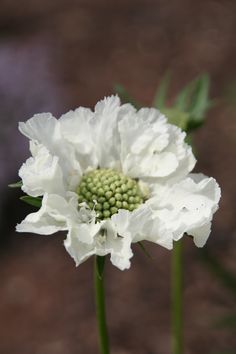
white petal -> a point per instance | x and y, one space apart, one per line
56 213
121 222
201 234
78 250
118 242
140 225
103 239
183 153
47 220
75 129
108 113
80 243
42 173
187 206
74 126
145 225
153 149
104 127
42 128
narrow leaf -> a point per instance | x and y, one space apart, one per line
35 201
176 117
194 99
125 96
200 101
160 96
183 99
15 185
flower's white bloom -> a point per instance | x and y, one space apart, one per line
114 177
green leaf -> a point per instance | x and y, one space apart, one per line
100 263
194 99
176 117
15 185
199 100
125 96
35 201
183 100
160 96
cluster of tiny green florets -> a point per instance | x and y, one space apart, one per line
107 191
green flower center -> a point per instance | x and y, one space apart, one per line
107 191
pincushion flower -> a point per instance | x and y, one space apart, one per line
112 177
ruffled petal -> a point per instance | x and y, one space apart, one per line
76 131
187 207
109 241
78 250
49 219
107 114
153 149
141 224
145 225
200 234
42 174
58 213
99 239
44 130
80 242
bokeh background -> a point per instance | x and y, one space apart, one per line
57 55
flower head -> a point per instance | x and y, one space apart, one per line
114 176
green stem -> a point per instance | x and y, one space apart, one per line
100 304
176 297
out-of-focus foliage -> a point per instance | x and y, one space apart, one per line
190 106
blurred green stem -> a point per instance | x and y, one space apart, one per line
100 304
176 297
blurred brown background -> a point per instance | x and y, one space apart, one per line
57 55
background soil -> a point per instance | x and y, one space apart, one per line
55 56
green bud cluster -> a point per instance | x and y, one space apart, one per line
107 191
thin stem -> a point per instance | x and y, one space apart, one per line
100 304
176 297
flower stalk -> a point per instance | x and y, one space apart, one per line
177 297
100 304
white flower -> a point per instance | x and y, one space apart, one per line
113 177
